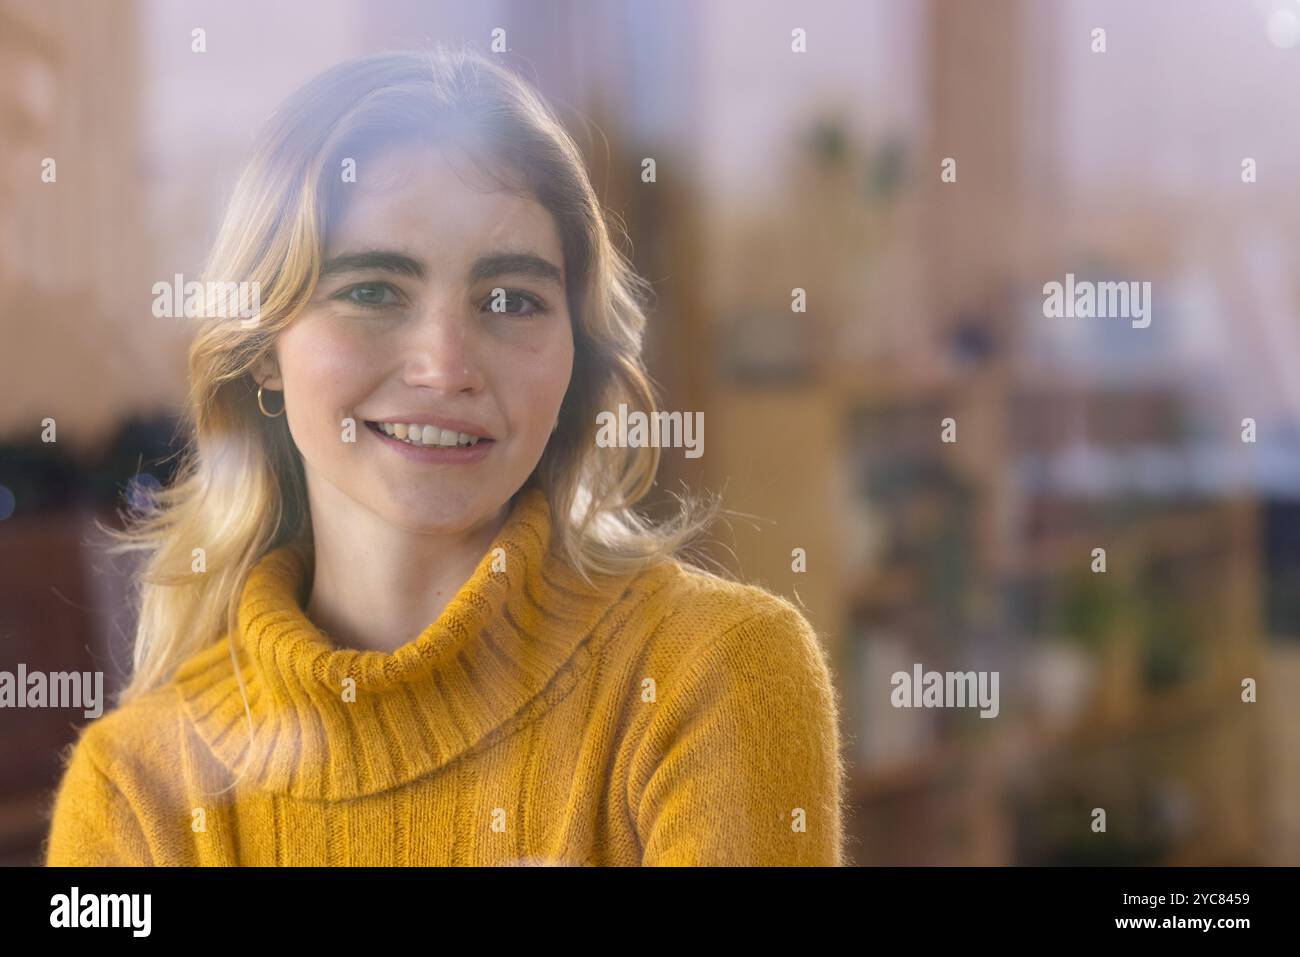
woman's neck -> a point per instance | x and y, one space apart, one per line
383 594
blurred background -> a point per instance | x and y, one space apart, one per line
780 170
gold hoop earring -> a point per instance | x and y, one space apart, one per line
269 415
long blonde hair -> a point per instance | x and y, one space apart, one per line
240 489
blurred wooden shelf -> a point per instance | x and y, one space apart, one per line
892 780
891 586
1211 527
1177 710
947 803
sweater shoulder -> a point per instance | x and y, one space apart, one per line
135 737
696 610
702 596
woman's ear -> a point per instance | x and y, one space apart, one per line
267 374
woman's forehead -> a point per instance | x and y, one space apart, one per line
424 196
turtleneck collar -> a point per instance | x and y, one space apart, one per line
498 649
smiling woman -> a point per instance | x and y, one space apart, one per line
412 323
444 637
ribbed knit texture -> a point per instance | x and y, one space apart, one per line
661 718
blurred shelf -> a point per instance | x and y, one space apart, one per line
890 587
943 520
1159 714
874 783
1208 527
889 382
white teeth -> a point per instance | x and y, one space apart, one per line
414 434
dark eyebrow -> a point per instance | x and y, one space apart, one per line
485 267
380 260
516 264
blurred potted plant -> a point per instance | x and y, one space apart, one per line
1170 641
1077 668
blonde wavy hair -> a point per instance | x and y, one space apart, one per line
240 490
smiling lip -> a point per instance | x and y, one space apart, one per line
434 454
452 425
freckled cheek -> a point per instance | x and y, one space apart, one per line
326 374
531 385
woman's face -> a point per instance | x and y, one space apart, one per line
441 300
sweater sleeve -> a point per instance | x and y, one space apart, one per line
92 824
740 763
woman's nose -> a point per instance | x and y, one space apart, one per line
443 353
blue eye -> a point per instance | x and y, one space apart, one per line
368 295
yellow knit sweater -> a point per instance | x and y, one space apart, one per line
660 718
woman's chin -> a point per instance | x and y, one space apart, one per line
450 515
